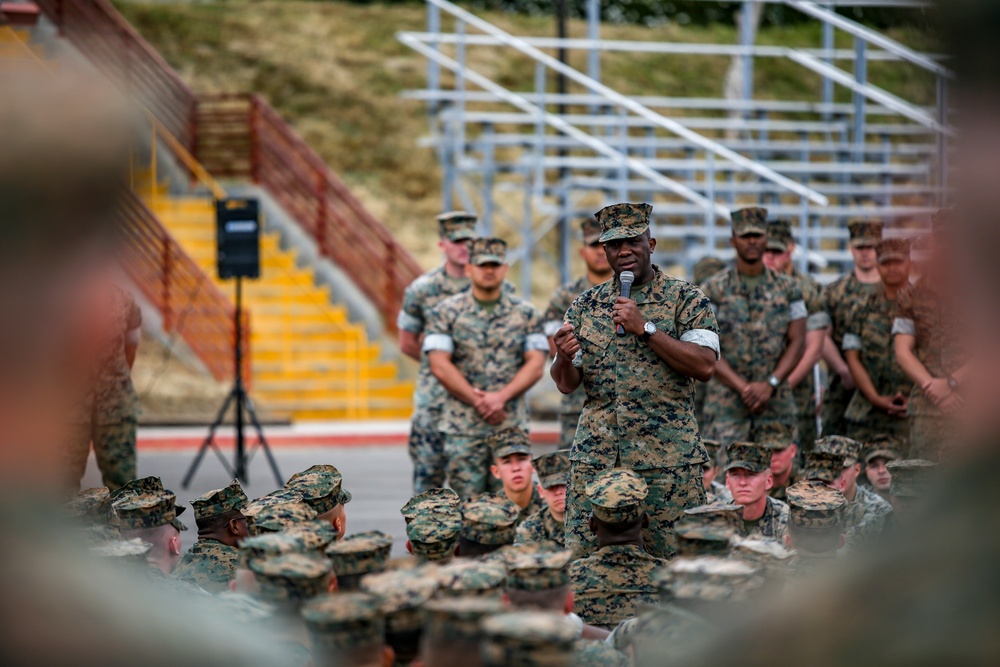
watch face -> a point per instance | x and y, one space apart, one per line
649 328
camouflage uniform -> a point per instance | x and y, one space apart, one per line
778 490
866 512
639 412
705 268
426 444
772 525
553 471
488 348
528 639
756 458
209 563
867 507
346 629
753 325
718 494
932 318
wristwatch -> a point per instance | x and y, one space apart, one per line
952 382
648 329
774 381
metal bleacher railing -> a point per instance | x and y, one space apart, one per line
818 162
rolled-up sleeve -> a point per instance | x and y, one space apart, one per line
536 342
437 342
797 310
903 325
851 342
705 338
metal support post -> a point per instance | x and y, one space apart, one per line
489 168
860 101
828 45
746 40
433 68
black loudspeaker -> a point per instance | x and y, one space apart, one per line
238 235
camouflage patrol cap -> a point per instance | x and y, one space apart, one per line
865 233
706 267
510 441
271 544
246 609
768 556
591 229
470 577
149 510
823 466
433 535
552 469
341 623
488 250
710 579
718 515
884 446
542 571
361 553
617 495
291 577
321 487
779 235
313 534
144 485
429 501
131 551
750 220
887 250
279 516
911 478
458 618
92 505
752 456
623 221
528 638
457 226
220 501
402 595
489 519
712 447
598 654
695 540
815 505
848 448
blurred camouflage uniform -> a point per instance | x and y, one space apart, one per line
345 629
360 554
867 506
553 470
453 630
613 582
639 412
426 444
209 563
753 326
756 457
571 405
705 268
718 493
146 486
488 347
528 638
490 520
402 595
815 509
836 303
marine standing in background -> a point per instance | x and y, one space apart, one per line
426 444
762 322
598 271
487 348
704 268
639 412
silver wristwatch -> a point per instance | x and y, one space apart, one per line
774 382
648 329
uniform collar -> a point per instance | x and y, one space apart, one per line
651 291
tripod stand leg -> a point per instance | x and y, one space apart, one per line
261 439
209 442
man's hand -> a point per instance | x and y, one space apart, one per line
846 378
566 343
894 406
626 313
756 395
490 406
937 390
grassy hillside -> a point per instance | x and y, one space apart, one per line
336 71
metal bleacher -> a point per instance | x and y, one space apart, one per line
532 162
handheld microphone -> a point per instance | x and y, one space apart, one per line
626 278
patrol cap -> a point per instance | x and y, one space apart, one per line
779 235
887 250
488 250
528 638
751 456
815 505
313 534
591 229
774 437
597 654
246 609
433 535
848 448
458 618
706 267
552 469
542 571
270 544
717 515
149 510
429 501
510 441
710 579
457 226
90 505
823 466
911 478
361 553
712 447
489 519
131 551
280 516
402 595
321 487
220 501
467 576
865 233
695 540
768 556
341 623
617 495
884 446
144 485
291 577
750 220
623 221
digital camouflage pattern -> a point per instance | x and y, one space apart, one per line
780 490
884 446
848 449
272 544
705 268
755 457
708 579
597 654
341 624
401 594
428 502
145 486
509 441
90 505
867 509
779 235
433 535
272 518
864 232
623 221
773 525
750 220
669 630
753 325
613 584
534 506
291 577
314 535
721 516
470 577
768 556
823 466
220 501
912 478
457 226
718 493
639 412
361 553
488 250
815 505
149 510
804 395
541 571
541 527
695 540
552 469
320 487
208 564
617 496
529 638
489 519
892 249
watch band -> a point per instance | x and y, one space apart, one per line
774 381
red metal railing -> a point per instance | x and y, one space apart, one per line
190 303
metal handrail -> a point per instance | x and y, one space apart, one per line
182 154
